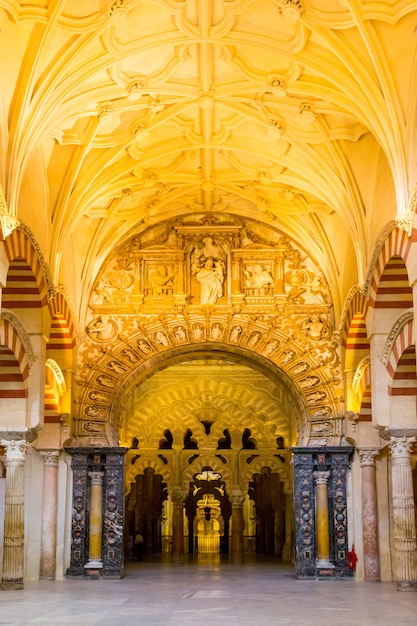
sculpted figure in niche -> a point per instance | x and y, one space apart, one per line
180 334
130 355
216 331
211 278
310 381
318 290
144 346
271 347
235 334
160 279
101 329
115 367
97 396
254 339
94 412
101 294
161 338
315 328
259 278
287 356
105 381
198 332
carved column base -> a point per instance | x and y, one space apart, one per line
12 584
93 569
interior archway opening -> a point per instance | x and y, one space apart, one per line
203 435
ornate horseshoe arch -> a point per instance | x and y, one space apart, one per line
197 289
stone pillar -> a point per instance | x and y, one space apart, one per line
322 519
237 542
95 562
178 496
14 523
49 514
405 544
370 515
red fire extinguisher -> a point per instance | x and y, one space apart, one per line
352 558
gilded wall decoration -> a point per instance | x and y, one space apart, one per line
208 279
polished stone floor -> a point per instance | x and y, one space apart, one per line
195 594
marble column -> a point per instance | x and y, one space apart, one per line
237 541
95 562
405 543
177 496
49 514
14 523
370 515
322 519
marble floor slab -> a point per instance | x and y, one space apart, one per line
259 593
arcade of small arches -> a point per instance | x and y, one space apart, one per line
222 427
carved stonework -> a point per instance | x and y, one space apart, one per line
206 279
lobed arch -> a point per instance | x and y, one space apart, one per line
140 464
207 351
275 465
204 461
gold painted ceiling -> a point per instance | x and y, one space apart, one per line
116 115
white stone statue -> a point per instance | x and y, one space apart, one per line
211 278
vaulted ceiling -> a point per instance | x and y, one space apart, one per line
115 115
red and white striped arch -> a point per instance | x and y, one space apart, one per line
353 328
390 286
26 281
401 363
14 365
62 333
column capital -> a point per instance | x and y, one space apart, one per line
367 456
237 498
15 449
50 457
96 477
178 496
321 477
401 447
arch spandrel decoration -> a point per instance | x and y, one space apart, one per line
137 323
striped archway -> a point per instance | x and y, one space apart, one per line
388 284
29 284
400 358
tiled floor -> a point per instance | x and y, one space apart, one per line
255 594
